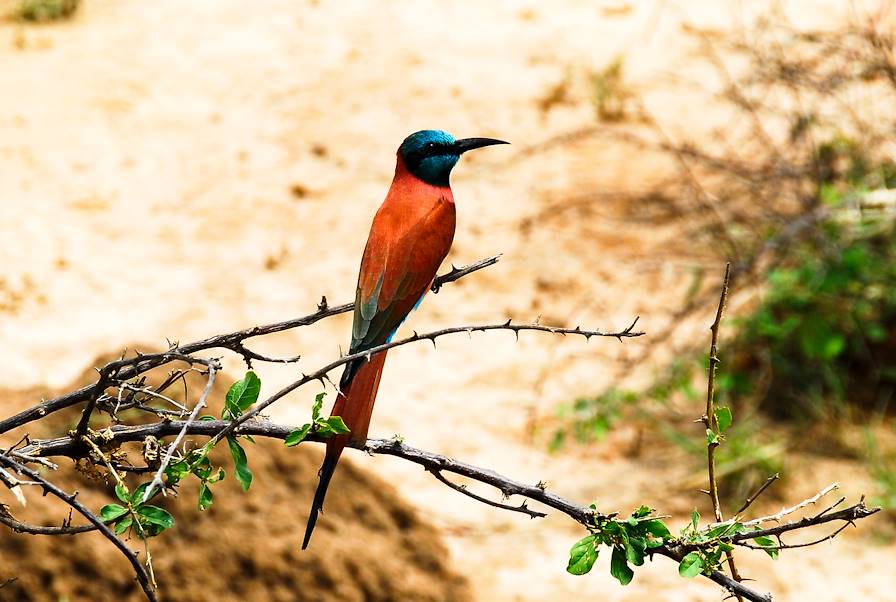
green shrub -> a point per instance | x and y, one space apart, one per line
822 339
47 10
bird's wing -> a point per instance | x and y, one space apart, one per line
396 271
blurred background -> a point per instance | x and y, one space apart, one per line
173 170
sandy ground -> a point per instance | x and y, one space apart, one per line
175 170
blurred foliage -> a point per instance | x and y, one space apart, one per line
590 419
750 453
816 349
882 468
613 98
46 10
820 341
610 93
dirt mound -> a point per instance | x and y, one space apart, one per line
369 545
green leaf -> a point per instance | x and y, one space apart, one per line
713 557
657 529
695 519
833 346
121 492
177 471
241 462
613 529
768 544
711 437
156 516
723 418
619 567
318 404
691 565
297 436
111 512
206 418
137 496
123 525
242 394
642 511
635 549
205 497
582 556
336 425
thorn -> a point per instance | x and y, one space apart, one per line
323 305
507 323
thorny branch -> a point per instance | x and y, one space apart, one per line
128 368
19 527
36 450
522 508
321 373
711 422
69 499
437 464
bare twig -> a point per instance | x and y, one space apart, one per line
152 393
213 368
760 491
709 417
807 544
788 511
69 499
853 513
19 527
321 373
127 368
522 508
458 273
712 423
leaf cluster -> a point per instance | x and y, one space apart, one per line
630 541
320 426
711 544
144 520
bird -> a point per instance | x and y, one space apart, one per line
410 236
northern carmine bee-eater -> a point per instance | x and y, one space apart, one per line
409 238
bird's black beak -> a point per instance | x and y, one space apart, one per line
466 144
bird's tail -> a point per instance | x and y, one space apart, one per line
354 405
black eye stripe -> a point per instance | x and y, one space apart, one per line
430 149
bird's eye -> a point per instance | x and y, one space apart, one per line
430 145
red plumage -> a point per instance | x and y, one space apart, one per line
410 237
